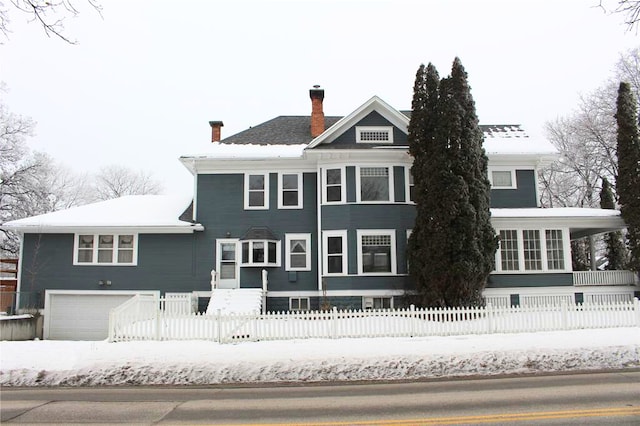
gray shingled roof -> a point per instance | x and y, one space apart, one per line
283 130
294 130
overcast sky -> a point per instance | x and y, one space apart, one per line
147 76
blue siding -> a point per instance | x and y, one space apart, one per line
220 208
165 263
524 196
348 138
352 217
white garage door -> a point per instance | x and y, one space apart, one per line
81 315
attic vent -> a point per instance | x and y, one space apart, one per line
371 134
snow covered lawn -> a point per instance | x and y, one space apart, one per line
54 363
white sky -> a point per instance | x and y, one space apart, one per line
144 81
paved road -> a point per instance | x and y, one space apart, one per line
601 398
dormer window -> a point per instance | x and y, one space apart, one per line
377 134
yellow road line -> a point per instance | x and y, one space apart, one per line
488 418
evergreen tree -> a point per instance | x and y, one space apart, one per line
452 246
616 252
628 180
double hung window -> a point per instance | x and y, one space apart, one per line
376 252
335 252
105 249
290 190
256 195
334 186
375 184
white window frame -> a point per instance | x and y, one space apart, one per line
407 185
115 249
287 249
325 255
298 308
266 263
566 250
375 232
514 183
391 184
247 191
370 300
343 185
281 190
388 129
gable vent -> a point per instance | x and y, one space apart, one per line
367 134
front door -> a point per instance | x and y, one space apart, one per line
227 263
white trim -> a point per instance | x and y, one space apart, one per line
325 255
287 248
343 185
299 298
391 184
407 185
512 170
218 255
384 232
387 129
281 190
266 263
566 250
246 190
318 259
366 299
335 293
48 293
114 250
395 117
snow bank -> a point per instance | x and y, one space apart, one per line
63 363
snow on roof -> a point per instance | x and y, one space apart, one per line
129 211
565 212
512 139
223 151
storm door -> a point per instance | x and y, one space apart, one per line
227 263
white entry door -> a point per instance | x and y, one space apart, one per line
227 263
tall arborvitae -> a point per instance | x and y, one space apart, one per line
616 252
452 247
422 147
628 180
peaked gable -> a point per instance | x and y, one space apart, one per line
375 110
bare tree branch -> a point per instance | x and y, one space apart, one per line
50 15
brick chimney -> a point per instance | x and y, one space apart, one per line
216 131
317 115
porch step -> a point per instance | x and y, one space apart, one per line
238 300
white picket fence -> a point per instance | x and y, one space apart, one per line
142 319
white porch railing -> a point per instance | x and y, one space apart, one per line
129 322
583 278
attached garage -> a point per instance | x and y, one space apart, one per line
81 315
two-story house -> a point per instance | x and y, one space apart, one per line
324 205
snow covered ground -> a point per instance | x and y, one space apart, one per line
54 363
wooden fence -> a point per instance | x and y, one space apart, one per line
142 319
